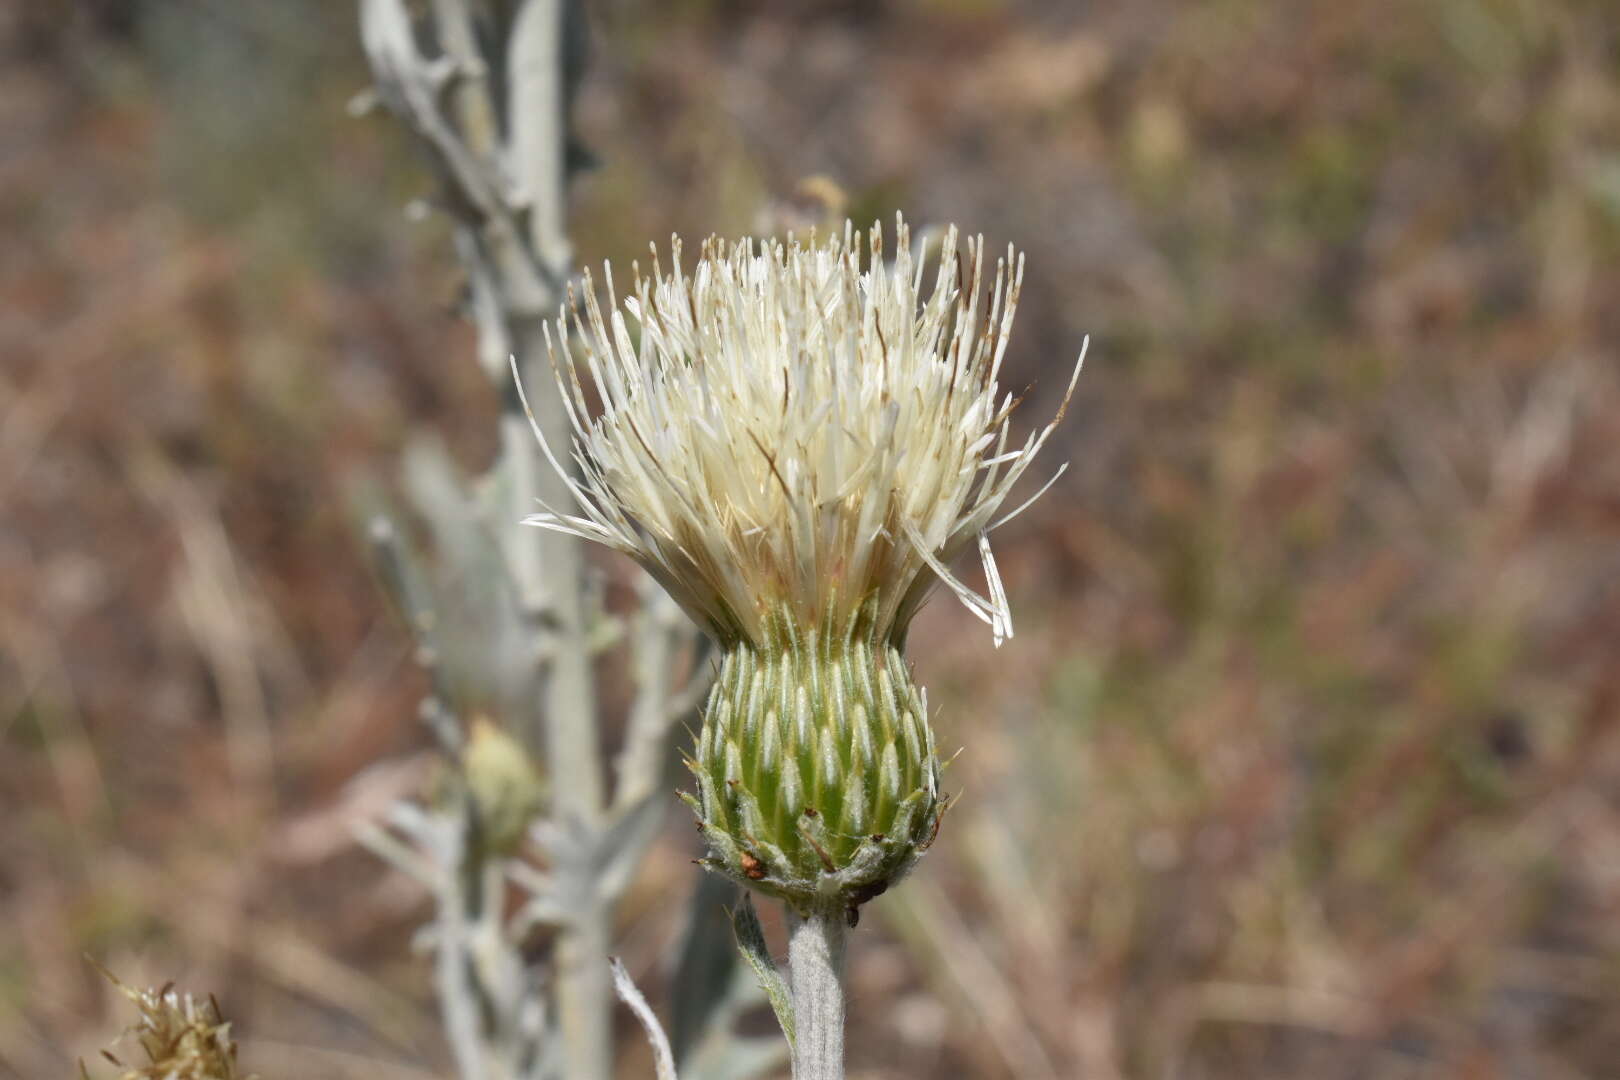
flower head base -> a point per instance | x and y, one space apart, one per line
791 429
817 777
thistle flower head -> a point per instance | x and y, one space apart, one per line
795 434
794 440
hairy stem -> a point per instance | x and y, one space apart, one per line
816 976
538 102
585 994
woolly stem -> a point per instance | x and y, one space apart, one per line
816 976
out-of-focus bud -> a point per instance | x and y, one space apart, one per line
507 790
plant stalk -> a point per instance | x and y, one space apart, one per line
816 977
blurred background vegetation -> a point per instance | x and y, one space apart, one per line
1305 760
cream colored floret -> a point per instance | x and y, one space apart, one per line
790 430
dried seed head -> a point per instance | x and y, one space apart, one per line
181 1037
795 430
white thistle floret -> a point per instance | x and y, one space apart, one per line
786 434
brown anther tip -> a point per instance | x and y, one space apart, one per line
753 869
878 838
810 811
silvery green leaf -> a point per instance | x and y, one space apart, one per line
757 954
632 997
487 646
622 844
602 857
